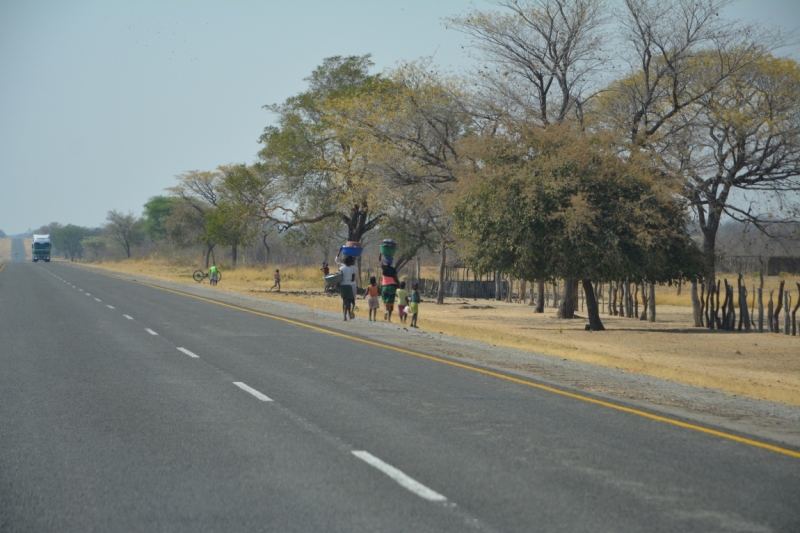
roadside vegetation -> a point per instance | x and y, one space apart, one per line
596 160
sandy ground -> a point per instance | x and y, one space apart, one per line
5 249
761 366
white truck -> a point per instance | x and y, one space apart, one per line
40 249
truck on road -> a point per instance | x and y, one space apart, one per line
40 249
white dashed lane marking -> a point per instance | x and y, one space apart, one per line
262 397
110 306
187 352
150 331
128 317
405 481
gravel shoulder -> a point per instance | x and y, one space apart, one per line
765 420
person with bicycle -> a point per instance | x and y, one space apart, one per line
213 274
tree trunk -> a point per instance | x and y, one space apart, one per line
725 325
651 297
697 305
776 316
709 257
635 300
233 255
555 294
442 264
697 312
567 307
498 286
628 299
612 299
540 296
645 301
786 318
760 310
592 310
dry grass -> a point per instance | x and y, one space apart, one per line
5 250
763 366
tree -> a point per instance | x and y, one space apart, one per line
537 60
68 239
125 230
741 151
47 229
186 227
327 173
562 203
156 211
199 190
96 244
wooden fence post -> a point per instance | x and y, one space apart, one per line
794 312
777 314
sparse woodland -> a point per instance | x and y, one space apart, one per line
602 144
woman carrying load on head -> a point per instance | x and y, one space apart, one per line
348 285
390 283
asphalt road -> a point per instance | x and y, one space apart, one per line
129 408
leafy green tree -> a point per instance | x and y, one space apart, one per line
232 225
156 211
558 203
327 172
68 239
125 230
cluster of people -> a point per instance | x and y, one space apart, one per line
392 291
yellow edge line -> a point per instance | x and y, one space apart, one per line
645 414
4 265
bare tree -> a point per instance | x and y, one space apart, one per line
538 59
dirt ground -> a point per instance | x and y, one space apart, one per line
5 249
762 366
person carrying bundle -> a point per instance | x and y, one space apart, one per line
348 285
390 283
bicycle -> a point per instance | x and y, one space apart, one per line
200 275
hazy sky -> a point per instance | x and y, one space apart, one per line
102 103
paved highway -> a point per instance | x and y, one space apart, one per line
126 407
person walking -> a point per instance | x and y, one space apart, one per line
402 302
372 293
389 284
414 305
348 285
277 281
213 275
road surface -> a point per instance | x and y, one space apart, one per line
125 407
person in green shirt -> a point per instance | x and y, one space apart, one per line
402 302
213 274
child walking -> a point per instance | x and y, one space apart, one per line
415 301
277 281
402 302
372 295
